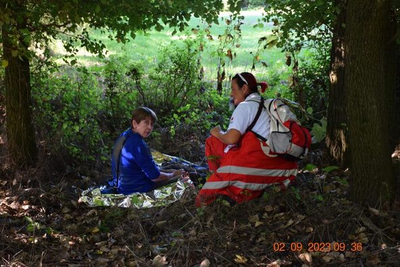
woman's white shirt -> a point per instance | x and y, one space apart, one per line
245 113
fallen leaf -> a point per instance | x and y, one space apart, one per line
306 257
160 261
258 223
269 208
65 210
161 223
254 218
276 263
205 263
240 259
360 230
91 212
68 217
374 211
327 258
289 223
374 260
300 217
26 207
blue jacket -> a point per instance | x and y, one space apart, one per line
137 168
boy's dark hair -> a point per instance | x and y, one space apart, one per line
142 113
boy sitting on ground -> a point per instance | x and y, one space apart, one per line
133 167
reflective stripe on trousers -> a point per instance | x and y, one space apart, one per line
256 171
241 185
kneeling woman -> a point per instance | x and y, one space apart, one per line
239 158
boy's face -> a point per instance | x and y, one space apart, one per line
144 127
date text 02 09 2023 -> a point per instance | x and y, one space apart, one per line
318 246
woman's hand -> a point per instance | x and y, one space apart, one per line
216 131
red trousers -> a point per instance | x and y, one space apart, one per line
243 172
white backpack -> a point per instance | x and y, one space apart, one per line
287 137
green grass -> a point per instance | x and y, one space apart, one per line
146 46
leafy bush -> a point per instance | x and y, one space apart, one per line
120 82
174 82
80 113
66 109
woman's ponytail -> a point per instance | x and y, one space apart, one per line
263 86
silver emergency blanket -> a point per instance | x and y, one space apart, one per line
162 196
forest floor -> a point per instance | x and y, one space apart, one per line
312 223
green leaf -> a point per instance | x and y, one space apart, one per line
4 63
330 168
319 131
310 167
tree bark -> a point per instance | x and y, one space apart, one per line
368 89
21 142
336 130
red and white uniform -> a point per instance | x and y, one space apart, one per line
243 171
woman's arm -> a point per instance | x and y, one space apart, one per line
231 137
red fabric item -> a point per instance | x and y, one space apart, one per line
243 172
214 152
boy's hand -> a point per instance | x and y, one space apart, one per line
178 172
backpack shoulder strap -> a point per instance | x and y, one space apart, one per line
260 107
117 154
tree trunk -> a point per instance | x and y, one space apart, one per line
368 89
396 131
392 75
20 132
336 130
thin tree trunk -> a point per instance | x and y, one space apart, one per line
20 132
369 109
336 131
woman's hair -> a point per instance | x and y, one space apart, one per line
142 113
249 79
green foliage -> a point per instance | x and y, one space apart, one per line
296 192
298 24
330 168
256 3
228 42
310 167
175 80
66 109
304 32
80 112
120 80
32 225
319 131
73 18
